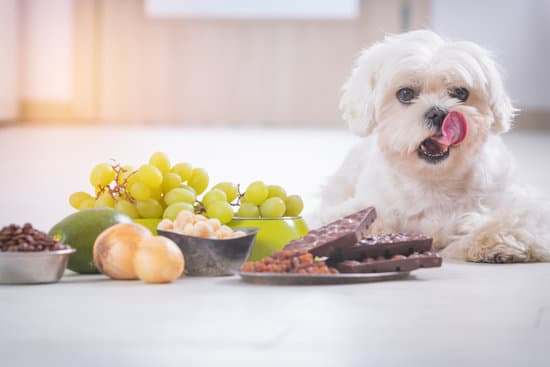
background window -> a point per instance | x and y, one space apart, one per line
243 9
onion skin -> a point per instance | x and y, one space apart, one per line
115 248
158 260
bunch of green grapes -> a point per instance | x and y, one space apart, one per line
154 190
159 190
258 201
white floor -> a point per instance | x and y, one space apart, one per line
459 315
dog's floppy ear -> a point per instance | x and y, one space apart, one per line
357 102
499 101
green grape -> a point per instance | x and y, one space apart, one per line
199 180
105 200
150 175
77 198
231 190
87 204
172 211
126 207
149 208
131 178
99 205
256 193
184 170
188 188
221 210
161 161
179 195
273 208
170 181
140 191
125 172
275 191
156 193
102 175
212 196
294 205
248 210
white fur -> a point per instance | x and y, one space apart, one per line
470 203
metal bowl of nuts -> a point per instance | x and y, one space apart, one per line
213 257
29 256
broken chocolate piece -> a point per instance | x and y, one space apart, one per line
396 263
329 239
428 259
387 245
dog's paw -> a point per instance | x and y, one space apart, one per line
500 254
498 248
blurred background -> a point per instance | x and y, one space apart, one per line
236 62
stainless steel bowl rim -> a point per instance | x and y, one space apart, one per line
250 231
37 253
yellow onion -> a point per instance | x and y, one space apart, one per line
115 248
158 260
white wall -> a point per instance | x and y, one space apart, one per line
8 60
517 32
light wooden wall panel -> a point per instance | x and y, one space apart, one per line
230 71
80 69
86 75
9 60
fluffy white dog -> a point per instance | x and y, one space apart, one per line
431 160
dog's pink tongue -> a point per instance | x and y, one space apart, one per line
453 129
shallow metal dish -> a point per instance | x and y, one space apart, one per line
313 279
210 257
33 267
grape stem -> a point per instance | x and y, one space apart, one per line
237 201
116 190
239 196
199 207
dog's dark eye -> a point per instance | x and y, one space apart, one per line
405 95
459 93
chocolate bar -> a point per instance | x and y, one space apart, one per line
328 240
387 245
382 264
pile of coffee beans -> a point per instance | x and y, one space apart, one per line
289 261
14 238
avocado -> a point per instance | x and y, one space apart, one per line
79 230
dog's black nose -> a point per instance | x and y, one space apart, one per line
435 116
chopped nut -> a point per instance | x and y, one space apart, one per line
288 261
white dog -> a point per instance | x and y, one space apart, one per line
431 112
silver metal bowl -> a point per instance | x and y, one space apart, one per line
33 267
210 257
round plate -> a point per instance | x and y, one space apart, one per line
318 279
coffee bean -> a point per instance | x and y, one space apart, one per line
27 239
